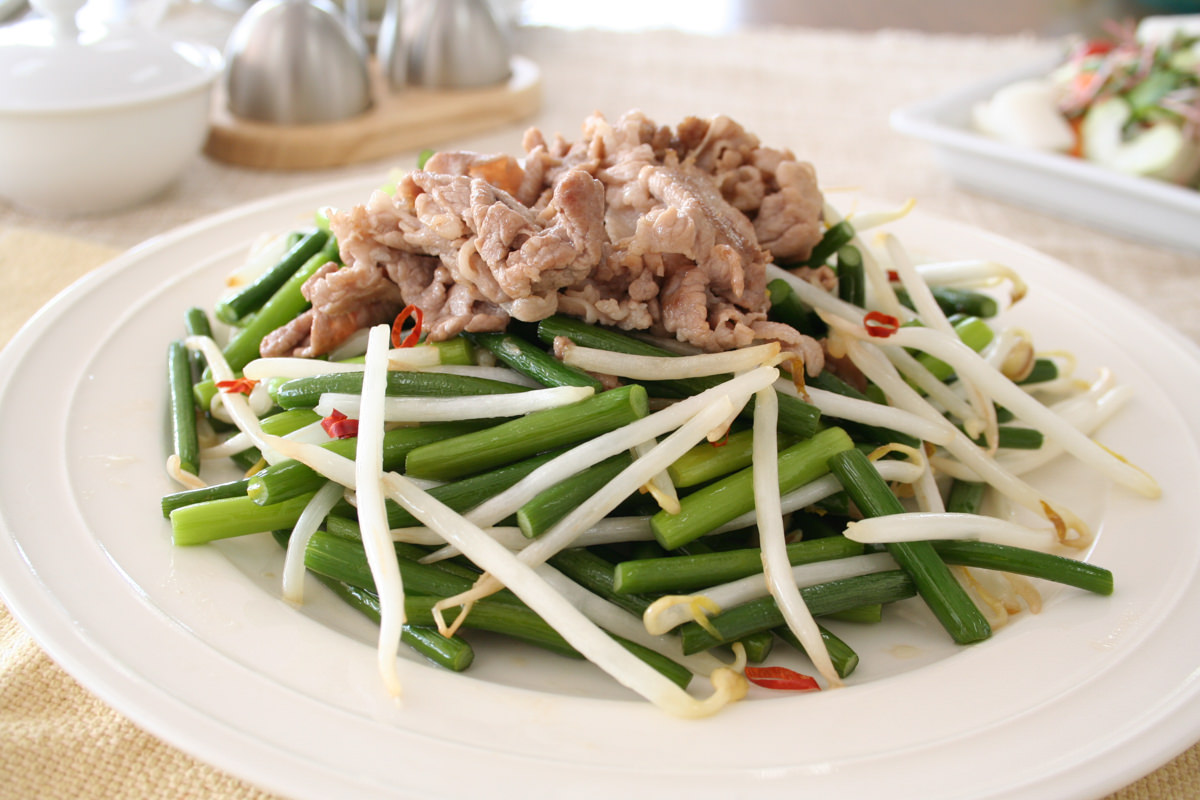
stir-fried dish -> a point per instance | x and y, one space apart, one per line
645 398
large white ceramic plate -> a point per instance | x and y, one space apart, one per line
1140 208
196 646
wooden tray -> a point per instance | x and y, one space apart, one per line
398 121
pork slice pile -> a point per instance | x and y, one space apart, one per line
633 225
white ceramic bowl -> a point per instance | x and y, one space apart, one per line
94 122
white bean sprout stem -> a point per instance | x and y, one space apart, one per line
657 368
865 412
501 374
372 515
974 274
445 409
400 358
921 525
930 313
866 220
769 516
242 441
310 520
236 405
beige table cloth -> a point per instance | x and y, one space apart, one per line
826 95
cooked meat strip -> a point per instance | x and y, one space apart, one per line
633 224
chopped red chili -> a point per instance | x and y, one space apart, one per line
893 276
339 426
414 335
781 678
237 386
880 325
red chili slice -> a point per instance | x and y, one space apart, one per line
880 325
414 335
338 426
782 679
237 386
893 276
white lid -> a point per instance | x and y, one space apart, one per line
50 64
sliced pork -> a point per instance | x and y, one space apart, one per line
633 225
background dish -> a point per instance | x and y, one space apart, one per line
196 646
1143 209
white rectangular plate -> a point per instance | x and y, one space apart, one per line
1140 208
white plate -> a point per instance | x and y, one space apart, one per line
194 644
1140 208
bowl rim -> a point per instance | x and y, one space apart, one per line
210 64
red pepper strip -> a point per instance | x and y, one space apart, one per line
237 386
880 325
339 426
781 678
414 335
893 276
1097 47
724 440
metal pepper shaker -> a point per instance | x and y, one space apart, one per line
454 44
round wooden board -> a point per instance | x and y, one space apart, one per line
411 119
